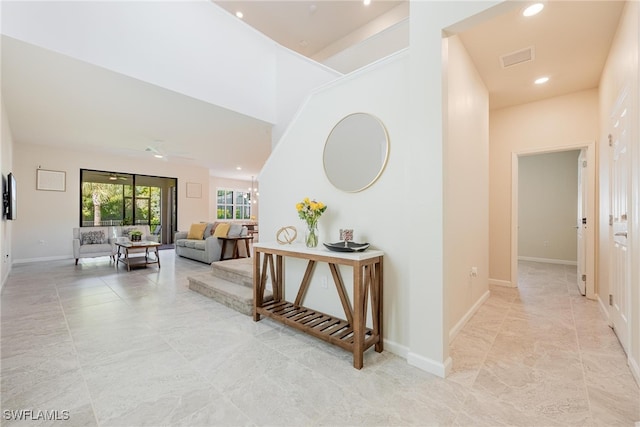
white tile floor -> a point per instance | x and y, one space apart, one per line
130 349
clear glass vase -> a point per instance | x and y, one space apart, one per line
311 236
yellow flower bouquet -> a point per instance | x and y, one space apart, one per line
310 211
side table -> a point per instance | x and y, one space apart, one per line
235 253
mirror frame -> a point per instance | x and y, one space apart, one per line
382 166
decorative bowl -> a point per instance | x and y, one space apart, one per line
349 247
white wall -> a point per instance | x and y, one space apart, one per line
423 175
377 46
402 213
6 227
49 216
466 186
553 124
295 76
368 31
178 38
548 207
295 171
622 70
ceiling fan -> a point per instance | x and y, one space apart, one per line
115 177
158 151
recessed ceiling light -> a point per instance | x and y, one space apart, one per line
158 156
541 80
238 168
534 9
240 14
366 2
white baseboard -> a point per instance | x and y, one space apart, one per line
498 282
458 327
635 370
604 310
4 280
429 365
395 348
48 258
547 260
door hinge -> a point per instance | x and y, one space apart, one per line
610 140
584 277
584 221
610 299
610 219
584 163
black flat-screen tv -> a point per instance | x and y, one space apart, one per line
10 200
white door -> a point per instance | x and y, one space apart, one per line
619 212
581 225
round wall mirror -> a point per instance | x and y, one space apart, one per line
356 152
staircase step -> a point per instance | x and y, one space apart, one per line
239 271
233 295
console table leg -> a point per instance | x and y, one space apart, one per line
257 280
358 319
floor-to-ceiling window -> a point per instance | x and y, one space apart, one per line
115 198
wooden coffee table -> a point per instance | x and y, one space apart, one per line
140 259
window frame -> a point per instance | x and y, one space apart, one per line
244 208
126 198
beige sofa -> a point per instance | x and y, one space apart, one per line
207 248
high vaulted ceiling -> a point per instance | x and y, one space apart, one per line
308 27
54 100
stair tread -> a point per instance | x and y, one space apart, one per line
223 285
225 291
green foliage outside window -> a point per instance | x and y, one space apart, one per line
112 204
233 204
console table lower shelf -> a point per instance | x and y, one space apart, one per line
351 333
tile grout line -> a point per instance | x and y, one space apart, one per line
75 350
188 363
484 359
580 354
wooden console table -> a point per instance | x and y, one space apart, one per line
351 334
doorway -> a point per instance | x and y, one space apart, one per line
552 212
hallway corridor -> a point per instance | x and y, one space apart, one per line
542 354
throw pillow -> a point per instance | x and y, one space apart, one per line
235 230
197 231
214 226
222 230
92 238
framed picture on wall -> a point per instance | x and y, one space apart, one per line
194 190
48 180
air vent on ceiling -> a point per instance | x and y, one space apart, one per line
518 57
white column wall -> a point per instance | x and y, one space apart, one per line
466 187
